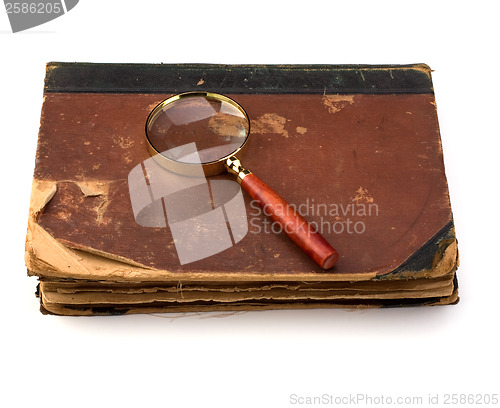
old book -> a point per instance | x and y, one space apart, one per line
357 149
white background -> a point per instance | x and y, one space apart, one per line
260 358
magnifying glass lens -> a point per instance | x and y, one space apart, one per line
216 127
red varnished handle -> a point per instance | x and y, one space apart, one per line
293 224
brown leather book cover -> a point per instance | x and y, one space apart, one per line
357 150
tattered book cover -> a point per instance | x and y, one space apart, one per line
356 148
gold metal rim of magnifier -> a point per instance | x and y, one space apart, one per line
192 169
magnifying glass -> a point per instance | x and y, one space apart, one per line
219 128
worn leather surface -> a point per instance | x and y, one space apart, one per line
378 149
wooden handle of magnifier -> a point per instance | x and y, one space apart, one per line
292 223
